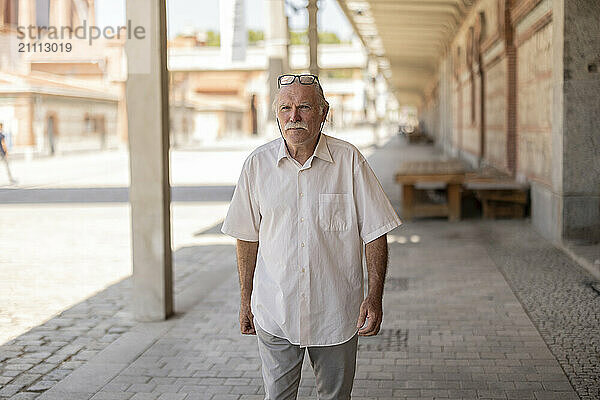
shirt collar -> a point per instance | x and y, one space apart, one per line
321 151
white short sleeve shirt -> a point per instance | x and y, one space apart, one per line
310 221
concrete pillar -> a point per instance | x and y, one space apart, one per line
148 129
26 13
372 71
581 121
91 13
233 30
313 36
570 209
445 95
60 12
122 113
277 45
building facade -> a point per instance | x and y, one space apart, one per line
230 98
518 89
59 91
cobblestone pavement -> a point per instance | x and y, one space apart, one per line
453 329
559 299
462 304
35 361
56 255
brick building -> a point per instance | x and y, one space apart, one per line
53 101
512 84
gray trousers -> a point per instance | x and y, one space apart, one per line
333 366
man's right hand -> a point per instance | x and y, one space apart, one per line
246 320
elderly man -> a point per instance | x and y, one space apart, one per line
303 207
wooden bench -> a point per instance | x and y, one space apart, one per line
449 173
500 195
418 137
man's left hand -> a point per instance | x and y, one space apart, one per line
371 309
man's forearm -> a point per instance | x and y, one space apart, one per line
376 253
246 261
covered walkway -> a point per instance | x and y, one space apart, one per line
474 309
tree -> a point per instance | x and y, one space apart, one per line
329 38
213 38
301 37
255 36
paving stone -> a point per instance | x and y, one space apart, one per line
552 395
9 390
168 388
5 379
145 396
115 387
25 379
17 367
518 394
11 373
246 389
58 374
491 394
42 368
111 396
172 396
200 396
225 397
462 331
141 388
557 386
133 379
41 386
25 396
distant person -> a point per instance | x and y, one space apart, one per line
4 154
303 207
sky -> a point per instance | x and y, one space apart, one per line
204 15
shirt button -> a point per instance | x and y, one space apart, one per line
301 219
302 270
302 244
301 194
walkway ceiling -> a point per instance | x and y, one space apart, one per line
406 38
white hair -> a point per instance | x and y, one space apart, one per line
322 102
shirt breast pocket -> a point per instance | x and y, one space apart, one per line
334 211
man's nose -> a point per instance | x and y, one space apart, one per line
295 115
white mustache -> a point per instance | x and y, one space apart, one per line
296 125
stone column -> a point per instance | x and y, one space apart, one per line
313 36
581 120
60 13
233 30
26 13
569 211
91 13
148 129
276 46
372 71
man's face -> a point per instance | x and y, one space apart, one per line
299 113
